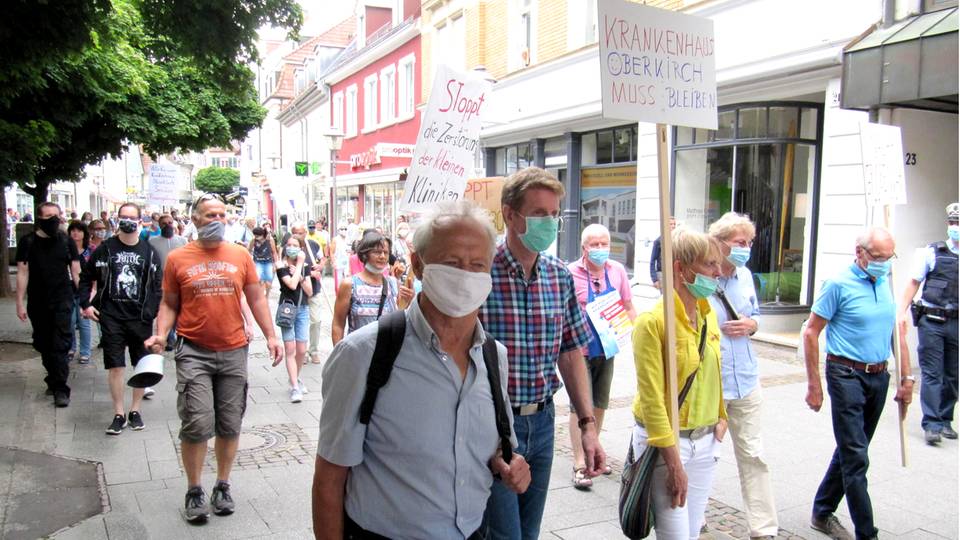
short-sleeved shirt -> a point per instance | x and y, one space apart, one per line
128 269
537 319
740 368
294 295
163 246
210 283
419 469
924 265
615 272
860 314
365 301
48 260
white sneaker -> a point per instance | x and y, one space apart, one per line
302 387
148 393
296 396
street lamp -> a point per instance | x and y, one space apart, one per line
335 138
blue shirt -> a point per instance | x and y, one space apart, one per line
419 469
739 369
860 315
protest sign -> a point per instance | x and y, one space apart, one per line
448 140
656 65
162 186
486 193
611 321
882 150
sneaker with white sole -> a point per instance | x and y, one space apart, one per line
119 422
296 396
220 500
195 507
302 387
135 421
148 393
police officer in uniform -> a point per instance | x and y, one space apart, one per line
935 316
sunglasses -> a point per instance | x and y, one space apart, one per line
208 197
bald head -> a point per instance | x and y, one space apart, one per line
876 239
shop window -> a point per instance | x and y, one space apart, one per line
501 162
604 147
768 171
622 145
378 206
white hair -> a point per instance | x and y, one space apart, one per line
593 229
866 238
446 213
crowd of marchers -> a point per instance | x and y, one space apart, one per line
450 342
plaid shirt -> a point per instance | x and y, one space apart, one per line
536 319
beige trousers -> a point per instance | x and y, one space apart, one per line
744 422
316 313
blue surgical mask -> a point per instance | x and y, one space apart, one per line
541 232
953 232
599 256
739 256
702 286
878 269
293 252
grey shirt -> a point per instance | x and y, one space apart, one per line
163 246
420 468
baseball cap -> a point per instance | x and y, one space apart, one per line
953 211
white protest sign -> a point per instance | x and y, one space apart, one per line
448 140
162 188
656 65
883 177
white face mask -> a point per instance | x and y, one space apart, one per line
453 291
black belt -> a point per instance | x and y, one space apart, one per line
939 312
866 367
352 531
531 408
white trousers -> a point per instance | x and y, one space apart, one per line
699 460
744 421
316 314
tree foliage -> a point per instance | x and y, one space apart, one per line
143 72
217 179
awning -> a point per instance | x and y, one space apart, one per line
912 63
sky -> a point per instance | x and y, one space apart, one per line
318 15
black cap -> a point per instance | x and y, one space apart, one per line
311 224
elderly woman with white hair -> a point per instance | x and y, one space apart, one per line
683 475
596 275
738 309
424 463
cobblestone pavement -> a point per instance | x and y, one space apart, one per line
144 479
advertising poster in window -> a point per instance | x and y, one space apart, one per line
608 196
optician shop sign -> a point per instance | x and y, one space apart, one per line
656 65
372 156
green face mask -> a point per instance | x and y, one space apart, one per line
541 232
702 286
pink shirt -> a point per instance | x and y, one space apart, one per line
615 272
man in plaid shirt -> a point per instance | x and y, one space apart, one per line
533 310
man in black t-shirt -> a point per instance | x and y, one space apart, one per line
127 272
48 267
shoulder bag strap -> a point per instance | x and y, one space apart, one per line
389 340
727 306
491 359
689 382
383 296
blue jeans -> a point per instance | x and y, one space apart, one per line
300 331
510 516
81 326
856 402
938 368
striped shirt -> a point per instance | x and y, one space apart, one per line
537 319
365 301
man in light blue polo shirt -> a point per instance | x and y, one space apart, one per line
424 465
859 312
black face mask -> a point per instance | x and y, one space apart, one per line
166 231
127 225
49 225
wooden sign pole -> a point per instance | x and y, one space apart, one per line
897 343
666 280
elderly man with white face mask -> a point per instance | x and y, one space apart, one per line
422 453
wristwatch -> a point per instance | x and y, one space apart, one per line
586 420
910 378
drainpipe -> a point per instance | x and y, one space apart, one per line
889 13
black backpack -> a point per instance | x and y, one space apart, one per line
390 334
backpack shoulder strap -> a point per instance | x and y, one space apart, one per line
492 362
389 340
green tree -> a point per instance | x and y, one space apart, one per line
217 179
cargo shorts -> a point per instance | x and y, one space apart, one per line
211 391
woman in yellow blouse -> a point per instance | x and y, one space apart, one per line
684 472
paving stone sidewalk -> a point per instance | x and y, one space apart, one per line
145 483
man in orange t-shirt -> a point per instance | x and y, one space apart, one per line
204 286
